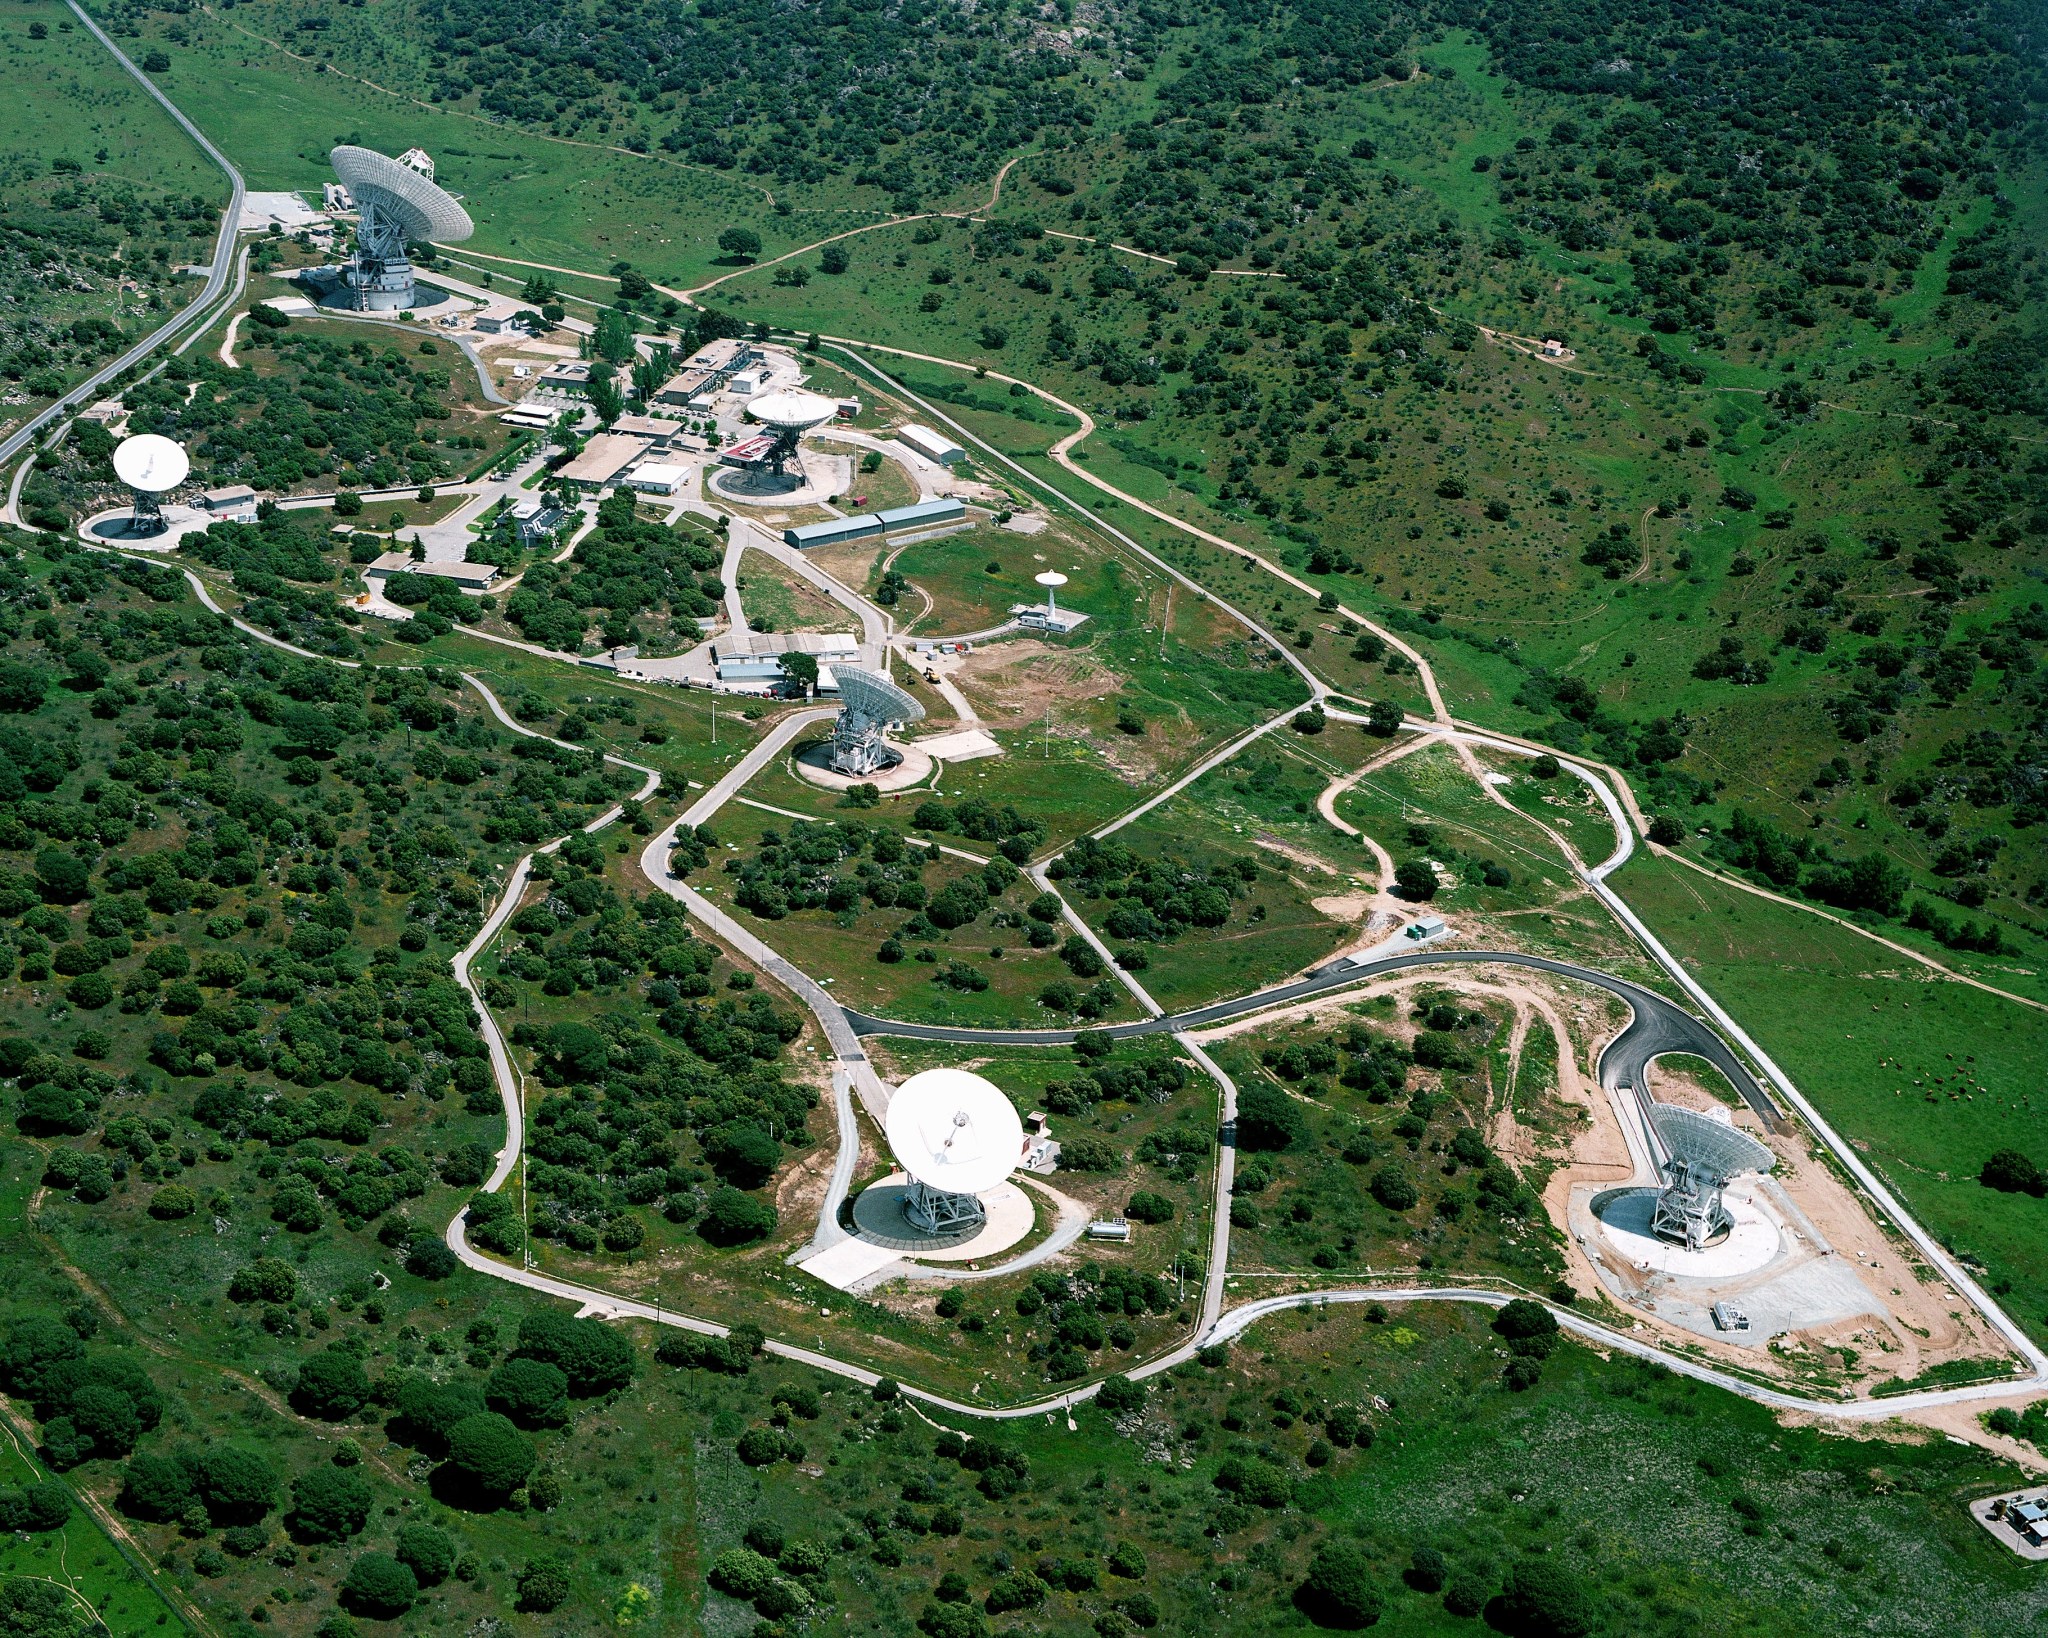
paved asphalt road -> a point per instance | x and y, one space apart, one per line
1659 1026
217 276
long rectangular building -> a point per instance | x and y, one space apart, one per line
924 514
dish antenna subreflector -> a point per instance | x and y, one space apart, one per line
398 205
956 1136
788 415
1701 1155
151 465
1052 580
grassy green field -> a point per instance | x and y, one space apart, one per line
106 197
276 111
777 598
1926 1077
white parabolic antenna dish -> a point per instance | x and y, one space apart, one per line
953 1131
151 463
1051 577
791 411
425 210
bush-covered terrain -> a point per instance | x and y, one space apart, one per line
1672 380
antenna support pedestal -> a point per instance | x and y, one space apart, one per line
936 1212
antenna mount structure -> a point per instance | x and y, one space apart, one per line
867 705
1701 1155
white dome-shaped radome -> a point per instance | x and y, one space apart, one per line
151 463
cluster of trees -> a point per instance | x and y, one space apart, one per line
163 910
1420 1156
627 567
1073 1314
604 1144
1870 882
71 234
354 415
1156 899
1795 171
91 1403
933 101
836 866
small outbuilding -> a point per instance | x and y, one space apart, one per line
236 503
656 478
932 445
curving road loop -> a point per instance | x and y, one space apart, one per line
1659 1026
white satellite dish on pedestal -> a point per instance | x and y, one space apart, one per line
1051 580
957 1136
151 465
788 415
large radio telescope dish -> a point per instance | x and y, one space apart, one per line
419 208
151 463
1708 1147
1703 1154
790 411
954 1132
867 704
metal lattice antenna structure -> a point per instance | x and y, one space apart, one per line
398 206
867 704
1702 1154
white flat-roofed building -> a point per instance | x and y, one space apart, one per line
756 656
932 445
236 503
656 478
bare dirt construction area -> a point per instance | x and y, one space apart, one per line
1016 680
1843 1305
